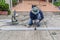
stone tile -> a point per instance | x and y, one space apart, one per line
3 35
54 21
55 35
29 35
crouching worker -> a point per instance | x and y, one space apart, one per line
35 15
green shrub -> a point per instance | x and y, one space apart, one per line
9 12
14 2
4 7
2 1
57 3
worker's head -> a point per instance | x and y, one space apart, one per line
34 8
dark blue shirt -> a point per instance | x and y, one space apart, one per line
34 16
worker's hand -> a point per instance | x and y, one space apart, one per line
37 20
16 15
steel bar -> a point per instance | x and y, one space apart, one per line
49 28
27 29
15 29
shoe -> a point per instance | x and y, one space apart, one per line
30 25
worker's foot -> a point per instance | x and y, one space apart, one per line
29 25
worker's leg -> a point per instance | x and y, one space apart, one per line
30 22
38 23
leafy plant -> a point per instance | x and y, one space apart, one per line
2 1
14 2
4 6
9 12
57 3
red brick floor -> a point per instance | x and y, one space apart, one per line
44 6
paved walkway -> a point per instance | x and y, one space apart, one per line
51 20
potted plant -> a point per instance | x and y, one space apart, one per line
4 8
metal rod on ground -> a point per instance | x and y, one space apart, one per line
48 28
28 29
14 29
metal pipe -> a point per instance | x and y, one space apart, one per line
15 29
31 29
49 28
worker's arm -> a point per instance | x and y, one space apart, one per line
41 15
